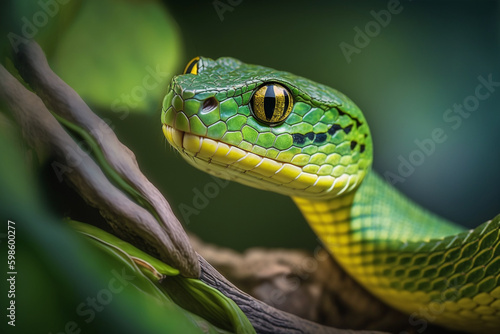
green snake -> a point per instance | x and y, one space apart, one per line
280 132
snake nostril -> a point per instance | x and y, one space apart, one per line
209 105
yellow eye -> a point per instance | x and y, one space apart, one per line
192 66
271 103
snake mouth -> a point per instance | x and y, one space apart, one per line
233 163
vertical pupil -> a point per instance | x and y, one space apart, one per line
269 102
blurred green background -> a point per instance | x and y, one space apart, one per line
425 60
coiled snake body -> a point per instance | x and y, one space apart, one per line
276 131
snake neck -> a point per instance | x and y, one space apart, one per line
375 212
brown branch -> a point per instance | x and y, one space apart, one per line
165 240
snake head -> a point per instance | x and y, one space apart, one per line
265 128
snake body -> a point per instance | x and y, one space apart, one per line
280 132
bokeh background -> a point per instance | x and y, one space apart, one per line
424 61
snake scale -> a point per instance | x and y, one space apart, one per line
280 132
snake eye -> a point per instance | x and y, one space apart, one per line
271 103
192 66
